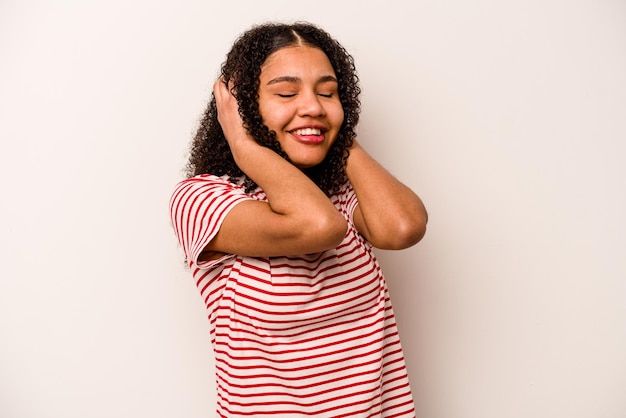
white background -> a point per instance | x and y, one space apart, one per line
507 117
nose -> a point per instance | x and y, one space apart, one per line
310 105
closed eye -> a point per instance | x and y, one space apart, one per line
327 95
285 95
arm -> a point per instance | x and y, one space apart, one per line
298 217
389 214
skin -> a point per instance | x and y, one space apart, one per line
297 90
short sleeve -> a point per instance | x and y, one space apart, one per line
347 201
198 207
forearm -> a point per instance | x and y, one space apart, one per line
297 217
287 188
391 215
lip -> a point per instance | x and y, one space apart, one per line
309 139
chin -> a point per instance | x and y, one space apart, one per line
305 166
306 163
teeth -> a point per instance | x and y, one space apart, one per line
308 131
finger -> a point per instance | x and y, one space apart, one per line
218 89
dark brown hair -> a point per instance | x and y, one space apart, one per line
210 153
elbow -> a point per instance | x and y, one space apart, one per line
409 234
328 232
413 230
415 233
335 230
406 234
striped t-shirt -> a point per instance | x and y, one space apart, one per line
299 336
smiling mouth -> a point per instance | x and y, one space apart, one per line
309 135
307 132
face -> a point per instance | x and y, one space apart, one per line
299 100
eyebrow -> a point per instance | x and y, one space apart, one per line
291 79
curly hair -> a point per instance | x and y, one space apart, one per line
210 152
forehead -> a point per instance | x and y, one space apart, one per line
298 61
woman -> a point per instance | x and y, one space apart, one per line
277 221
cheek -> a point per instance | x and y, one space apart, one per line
338 116
273 116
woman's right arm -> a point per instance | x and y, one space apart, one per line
298 217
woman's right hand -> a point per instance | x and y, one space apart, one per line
228 114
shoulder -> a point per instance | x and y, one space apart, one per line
344 194
206 192
345 199
204 180
207 183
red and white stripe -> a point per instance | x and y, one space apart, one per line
308 336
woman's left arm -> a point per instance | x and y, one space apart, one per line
389 214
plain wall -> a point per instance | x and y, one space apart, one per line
507 117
